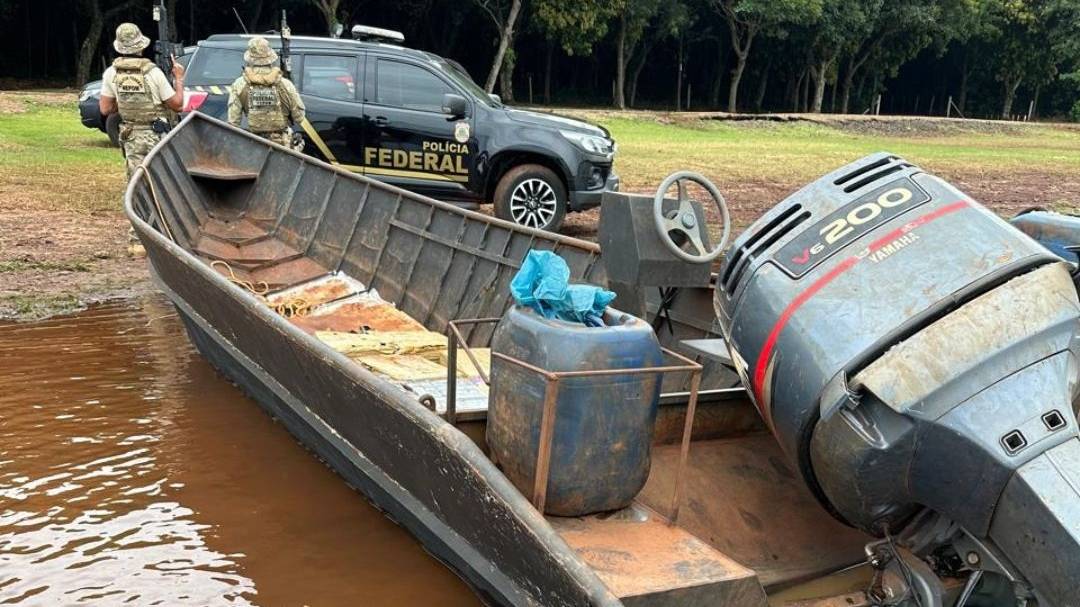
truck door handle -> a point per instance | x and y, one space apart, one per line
381 121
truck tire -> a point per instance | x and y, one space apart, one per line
531 195
112 128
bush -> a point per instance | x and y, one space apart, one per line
1075 113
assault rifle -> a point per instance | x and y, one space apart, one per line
165 49
286 41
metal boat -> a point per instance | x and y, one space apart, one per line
237 229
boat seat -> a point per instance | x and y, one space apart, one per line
239 232
253 256
220 172
645 561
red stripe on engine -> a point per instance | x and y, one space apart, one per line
762 363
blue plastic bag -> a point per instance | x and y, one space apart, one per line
543 284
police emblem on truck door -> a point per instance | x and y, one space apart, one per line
462 132
409 139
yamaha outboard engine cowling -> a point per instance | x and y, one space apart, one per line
916 358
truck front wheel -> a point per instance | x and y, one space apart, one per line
531 195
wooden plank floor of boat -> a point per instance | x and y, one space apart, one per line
746 524
647 562
252 254
742 498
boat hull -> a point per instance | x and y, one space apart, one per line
424 473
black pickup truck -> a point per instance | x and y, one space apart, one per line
417 120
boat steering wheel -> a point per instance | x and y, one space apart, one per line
685 220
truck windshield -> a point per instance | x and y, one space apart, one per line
466 82
215 66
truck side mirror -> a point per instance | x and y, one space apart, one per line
454 105
497 99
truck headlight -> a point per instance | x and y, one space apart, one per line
88 93
590 143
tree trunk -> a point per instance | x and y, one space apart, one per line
547 72
804 100
736 76
860 88
854 65
794 92
174 31
820 74
741 42
43 35
718 82
506 36
961 102
254 16
90 43
678 78
506 78
832 99
89 46
620 64
328 9
635 73
1011 84
845 94
639 60
763 84
29 44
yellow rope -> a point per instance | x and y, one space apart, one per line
157 204
247 284
294 307
297 306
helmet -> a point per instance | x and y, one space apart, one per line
259 52
129 40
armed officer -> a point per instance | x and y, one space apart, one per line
140 92
266 96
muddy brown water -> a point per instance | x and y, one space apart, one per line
131 473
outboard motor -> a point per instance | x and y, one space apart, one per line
916 358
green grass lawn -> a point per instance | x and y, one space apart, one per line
46 154
798 152
48 159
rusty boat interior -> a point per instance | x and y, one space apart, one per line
329 298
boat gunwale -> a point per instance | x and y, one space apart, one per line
436 427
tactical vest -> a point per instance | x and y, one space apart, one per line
135 98
262 99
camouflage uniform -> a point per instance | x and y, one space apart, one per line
140 89
266 96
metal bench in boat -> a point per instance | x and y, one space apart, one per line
230 221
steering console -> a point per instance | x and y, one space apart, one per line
685 220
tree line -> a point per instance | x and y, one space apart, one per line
986 58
